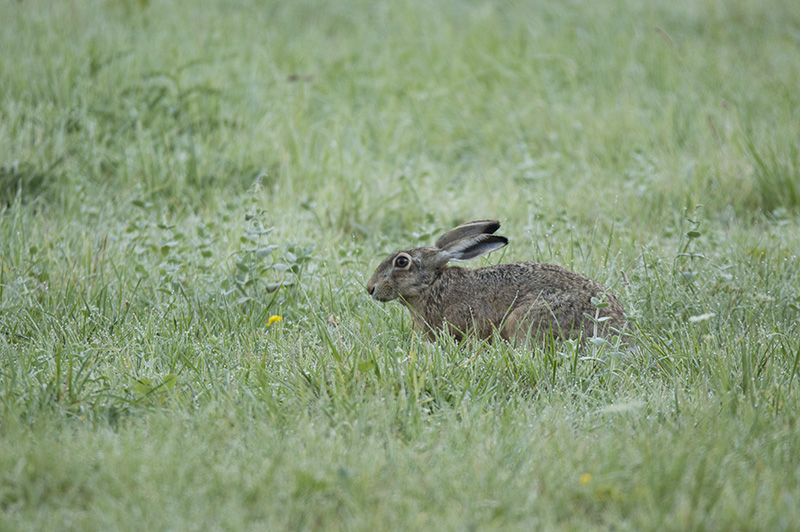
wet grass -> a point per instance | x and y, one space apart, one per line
175 177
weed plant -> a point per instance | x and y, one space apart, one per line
192 196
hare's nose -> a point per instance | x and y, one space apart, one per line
370 290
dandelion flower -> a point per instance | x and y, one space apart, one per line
586 478
273 319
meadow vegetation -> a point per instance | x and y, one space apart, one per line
193 194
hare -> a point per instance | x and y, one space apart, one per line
522 299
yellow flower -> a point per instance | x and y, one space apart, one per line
273 319
586 478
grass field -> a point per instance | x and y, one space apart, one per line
176 176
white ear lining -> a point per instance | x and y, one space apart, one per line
470 248
467 230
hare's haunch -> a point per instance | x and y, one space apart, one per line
539 301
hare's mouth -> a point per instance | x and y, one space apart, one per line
383 298
381 295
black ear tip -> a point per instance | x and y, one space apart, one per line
495 239
484 226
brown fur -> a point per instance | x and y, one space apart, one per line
528 299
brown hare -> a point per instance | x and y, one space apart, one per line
522 299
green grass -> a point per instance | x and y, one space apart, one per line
173 174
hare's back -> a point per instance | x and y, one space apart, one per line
522 284
537 277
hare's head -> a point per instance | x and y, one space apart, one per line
408 273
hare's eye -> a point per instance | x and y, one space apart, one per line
401 262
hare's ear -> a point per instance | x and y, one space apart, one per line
474 246
478 227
